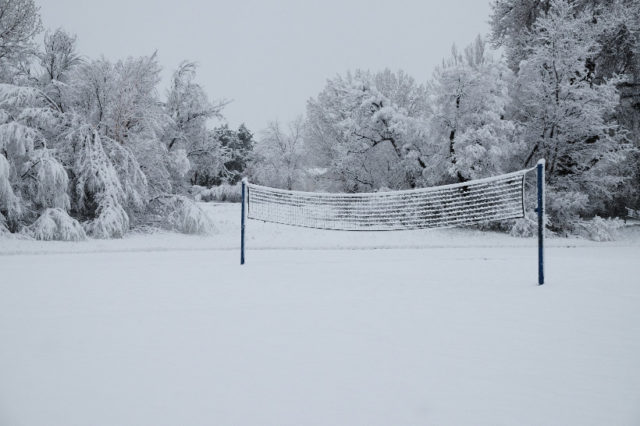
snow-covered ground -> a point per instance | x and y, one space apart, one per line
412 328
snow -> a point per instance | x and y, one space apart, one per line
419 327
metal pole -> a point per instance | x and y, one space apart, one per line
540 210
244 181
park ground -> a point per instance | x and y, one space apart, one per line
319 328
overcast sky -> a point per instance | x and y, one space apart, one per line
270 56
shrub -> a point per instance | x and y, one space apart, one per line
112 222
179 213
224 192
56 224
599 229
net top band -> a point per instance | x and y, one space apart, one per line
399 192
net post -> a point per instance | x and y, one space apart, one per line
540 211
244 190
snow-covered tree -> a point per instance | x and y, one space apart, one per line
58 59
566 117
190 110
279 159
120 99
207 157
19 23
511 21
32 178
99 195
238 148
141 150
620 55
469 136
110 110
615 25
92 139
365 129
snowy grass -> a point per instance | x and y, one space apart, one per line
168 329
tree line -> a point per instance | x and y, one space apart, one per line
566 88
89 147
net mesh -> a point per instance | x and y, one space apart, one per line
472 202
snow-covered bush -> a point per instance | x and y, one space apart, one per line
112 221
224 192
56 224
563 208
179 213
525 227
600 229
189 218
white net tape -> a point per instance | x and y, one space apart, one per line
496 198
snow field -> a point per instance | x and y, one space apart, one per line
453 333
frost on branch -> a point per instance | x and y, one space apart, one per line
181 214
99 193
56 224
